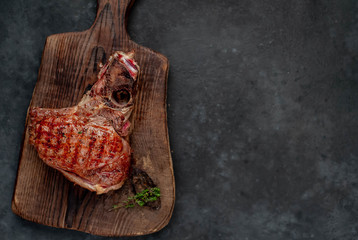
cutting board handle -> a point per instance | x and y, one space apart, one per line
114 13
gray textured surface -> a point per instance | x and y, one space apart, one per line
263 107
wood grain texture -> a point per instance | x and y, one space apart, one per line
69 63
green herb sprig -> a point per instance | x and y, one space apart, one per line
140 199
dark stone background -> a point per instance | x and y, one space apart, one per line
262 112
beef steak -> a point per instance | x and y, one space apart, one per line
86 143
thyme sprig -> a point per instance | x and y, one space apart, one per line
140 199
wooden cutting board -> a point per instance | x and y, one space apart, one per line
69 64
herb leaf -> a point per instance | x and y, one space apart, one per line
140 199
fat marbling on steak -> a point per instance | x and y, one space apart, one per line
87 142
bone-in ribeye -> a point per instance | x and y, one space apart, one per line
87 142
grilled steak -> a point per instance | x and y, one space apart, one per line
87 142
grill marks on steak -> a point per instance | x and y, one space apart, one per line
85 142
